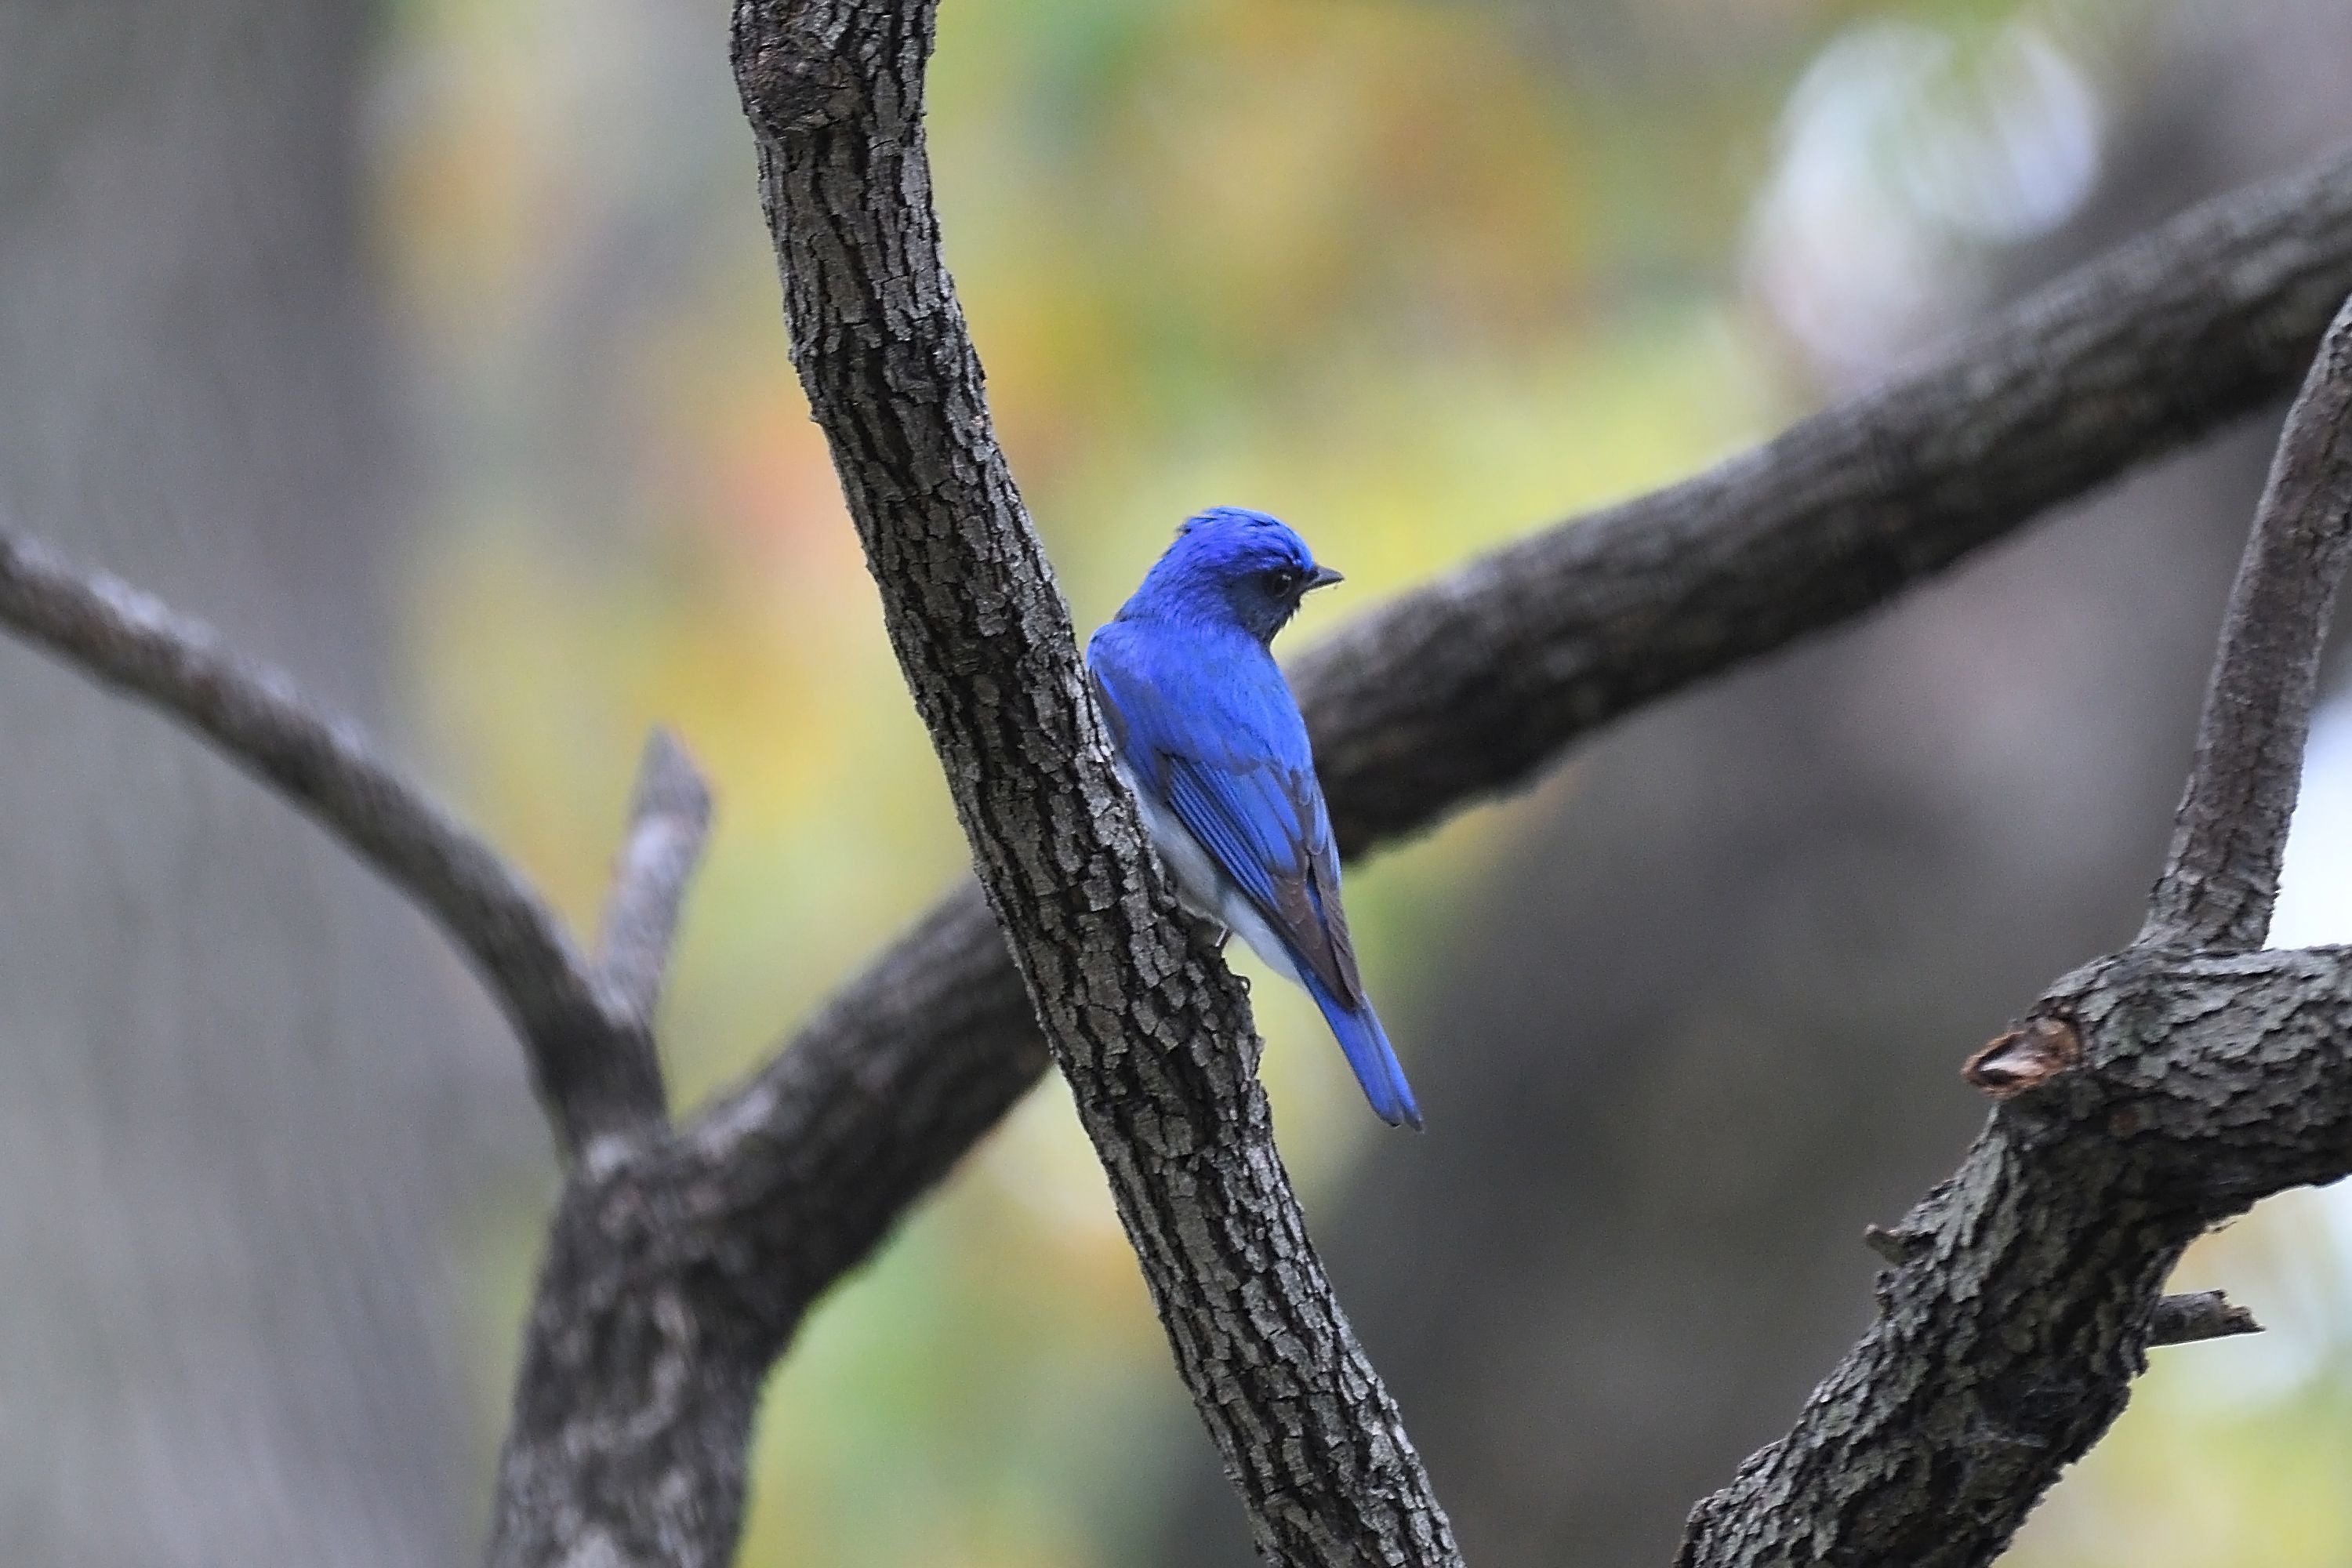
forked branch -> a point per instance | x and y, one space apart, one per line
2020 1296
593 1061
2145 1098
2222 874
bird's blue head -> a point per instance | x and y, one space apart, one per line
1232 566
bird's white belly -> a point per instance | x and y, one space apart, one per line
1201 885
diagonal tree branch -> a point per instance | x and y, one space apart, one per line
593 1062
2222 877
1468 684
627 1352
2008 1344
2147 1097
1464 686
1152 1032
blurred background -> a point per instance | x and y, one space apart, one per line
432 347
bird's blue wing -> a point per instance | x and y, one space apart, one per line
1262 824
1209 730
1216 736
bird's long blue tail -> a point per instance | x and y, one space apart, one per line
1367 1045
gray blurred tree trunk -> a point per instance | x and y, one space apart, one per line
226 1056
1709 1024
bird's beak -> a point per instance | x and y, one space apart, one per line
1323 578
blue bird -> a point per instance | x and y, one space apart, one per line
1210 738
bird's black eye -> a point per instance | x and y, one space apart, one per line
1283 579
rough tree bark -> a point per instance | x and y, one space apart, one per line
680 1259
1152 1030
2146 1096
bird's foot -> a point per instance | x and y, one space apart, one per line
1211 932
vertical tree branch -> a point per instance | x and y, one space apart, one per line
1152 1032
2221 875
669 823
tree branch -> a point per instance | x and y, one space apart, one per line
2222 877
2147 1097
2190 1319
2007 1343
1152 1032
654 1318
1466 685
669 823
594 1066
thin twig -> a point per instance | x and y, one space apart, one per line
669 823
592 1068
2222 877
2205 1315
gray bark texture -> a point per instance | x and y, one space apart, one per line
1152 1032
902 424
240 1088
2145 1098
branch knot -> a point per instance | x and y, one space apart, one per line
2025 1058
792 68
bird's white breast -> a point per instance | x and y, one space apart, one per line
1201 885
